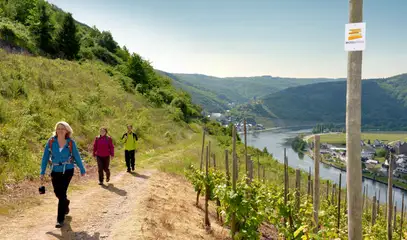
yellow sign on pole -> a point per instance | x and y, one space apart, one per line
355 37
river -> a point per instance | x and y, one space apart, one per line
275 141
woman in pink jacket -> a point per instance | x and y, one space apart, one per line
103 151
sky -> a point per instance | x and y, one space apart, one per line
226 38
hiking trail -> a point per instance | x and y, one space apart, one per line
147 204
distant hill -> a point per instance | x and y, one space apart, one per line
213 93
384 103
209 100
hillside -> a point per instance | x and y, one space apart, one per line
384 103
208 89
201 96
36 92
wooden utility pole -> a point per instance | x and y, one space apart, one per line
316 181
353 130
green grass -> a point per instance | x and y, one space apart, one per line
380 159
340 138
36 92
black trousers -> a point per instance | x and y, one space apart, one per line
130 158
103 165
60 182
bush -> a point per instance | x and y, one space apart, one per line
104 55
155 98
381 152
86 53
126 83
16 34
175 114
180 103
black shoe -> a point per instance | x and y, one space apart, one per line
100 183
128 170
59 224
107 179
67 207
132 169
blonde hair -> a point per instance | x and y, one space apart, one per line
67 127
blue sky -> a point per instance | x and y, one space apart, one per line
289 38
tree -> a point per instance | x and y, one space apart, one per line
135 70
265 151
68 42
106 40
18 10
123 53
41 27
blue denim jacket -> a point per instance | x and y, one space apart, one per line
60 157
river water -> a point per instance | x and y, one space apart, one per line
276 141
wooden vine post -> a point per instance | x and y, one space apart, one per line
245 145
327 190
374 209
227 167
390 200
309 183
258 168
264 174
285 178
339 201
250 166
316 181
402 217
203 147
234 178
207 223
298 188
209 154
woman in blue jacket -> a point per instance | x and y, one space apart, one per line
61 153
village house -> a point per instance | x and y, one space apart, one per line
377 144
400 148
367 153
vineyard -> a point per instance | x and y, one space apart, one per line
285 200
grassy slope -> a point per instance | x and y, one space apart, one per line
36 92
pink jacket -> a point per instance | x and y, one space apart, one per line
103 147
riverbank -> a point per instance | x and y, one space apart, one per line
262 130
340 138
374 178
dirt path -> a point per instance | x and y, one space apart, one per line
149 205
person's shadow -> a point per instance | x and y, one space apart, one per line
114 189
68 233
140 175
